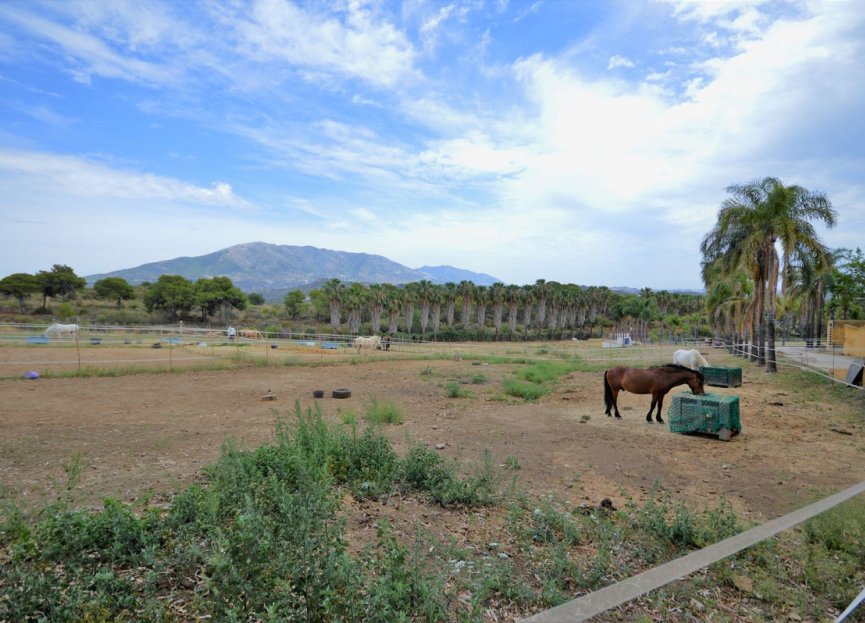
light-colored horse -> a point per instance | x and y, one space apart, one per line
250 334
373 342
690 359
60 330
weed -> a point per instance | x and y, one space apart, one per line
524 390
383 412
455 390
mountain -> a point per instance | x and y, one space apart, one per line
273 270
443 274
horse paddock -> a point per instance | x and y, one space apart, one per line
149 434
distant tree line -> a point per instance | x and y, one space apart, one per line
465 310
763 266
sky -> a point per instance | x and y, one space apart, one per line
575 141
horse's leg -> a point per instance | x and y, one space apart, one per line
660 404
616 403
652 408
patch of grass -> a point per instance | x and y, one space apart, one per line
512 463
379 412
545 371
479 379
454 389
427 372
523 389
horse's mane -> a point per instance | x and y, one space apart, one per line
676 366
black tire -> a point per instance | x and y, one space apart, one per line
341 393
318 393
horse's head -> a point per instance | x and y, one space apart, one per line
696 384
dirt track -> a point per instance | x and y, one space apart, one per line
152 433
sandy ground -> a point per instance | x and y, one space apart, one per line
150 434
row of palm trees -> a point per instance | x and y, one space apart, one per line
543 306
764 237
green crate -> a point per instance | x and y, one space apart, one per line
722 377
710 413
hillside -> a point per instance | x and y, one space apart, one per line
275 269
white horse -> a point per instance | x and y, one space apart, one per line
60 330
251 334
372 342
690 359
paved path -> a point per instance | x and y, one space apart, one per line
819 359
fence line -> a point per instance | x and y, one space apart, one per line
605 599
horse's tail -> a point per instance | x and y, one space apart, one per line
608 393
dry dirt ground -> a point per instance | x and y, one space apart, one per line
150 434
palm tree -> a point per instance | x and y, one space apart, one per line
377 296
513 296
436 298
409 298
354 299
450 296
528 296
541 291
393 306
481 299
751 222
497 296
467 291
424 295
334 290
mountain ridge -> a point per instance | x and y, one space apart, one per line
271 269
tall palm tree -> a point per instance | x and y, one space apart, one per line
528 297
436 298
354 299
467 291
377 296
497 297
541 292
334 290
513 296
481 297
409 298
756 219
393 307
424 295
450 297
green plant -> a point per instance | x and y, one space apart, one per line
524 390
383 412
455 390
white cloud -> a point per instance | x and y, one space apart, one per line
353 43
620 61
83 178
92 55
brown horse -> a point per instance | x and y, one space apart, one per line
656 381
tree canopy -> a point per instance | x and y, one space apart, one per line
114 289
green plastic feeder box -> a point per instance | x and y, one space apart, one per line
722 377
715 414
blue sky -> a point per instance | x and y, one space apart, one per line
583 142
